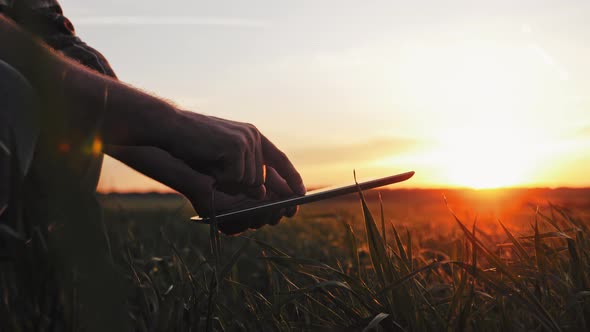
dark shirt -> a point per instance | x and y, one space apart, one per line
45 19
35 4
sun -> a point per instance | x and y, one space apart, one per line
490 156
478 155
481 98
478 110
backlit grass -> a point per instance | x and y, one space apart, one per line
331 269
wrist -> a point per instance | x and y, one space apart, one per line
163 126
185 135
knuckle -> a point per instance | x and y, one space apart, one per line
252 128
236 146
251 181
241 142
282 156
252 132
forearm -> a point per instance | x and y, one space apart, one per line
233 153
129 116
162 167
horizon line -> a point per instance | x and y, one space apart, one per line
168 192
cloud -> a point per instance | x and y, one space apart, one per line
170 20
355 153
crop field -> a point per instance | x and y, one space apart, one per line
412 260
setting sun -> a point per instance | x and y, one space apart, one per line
488 157
485 95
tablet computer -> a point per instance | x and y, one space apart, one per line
312 196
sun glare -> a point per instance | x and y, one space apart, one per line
487 157
483 97
489 144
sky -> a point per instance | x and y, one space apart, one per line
465 93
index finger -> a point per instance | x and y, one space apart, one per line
280 162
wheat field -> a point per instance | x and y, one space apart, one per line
409 261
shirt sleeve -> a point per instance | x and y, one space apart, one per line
39 17
45 19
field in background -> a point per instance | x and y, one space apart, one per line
279 281
424 211
423 260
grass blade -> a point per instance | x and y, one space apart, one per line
519 248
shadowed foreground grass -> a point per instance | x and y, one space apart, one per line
328 270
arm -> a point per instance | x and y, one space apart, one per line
232 153
200 189
54 75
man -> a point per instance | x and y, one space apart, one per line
57 115
60 108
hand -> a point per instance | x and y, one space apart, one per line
224 202
199 188
233 153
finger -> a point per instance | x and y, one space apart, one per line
250 169
230 189
259 167
265 218
224 202
241 223
260 220
281 163
291 211
233 170
233 228
253 160
276 184
257 193
276 216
